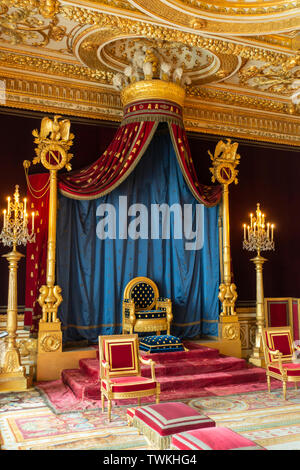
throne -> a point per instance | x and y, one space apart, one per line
143 309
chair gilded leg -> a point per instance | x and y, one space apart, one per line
284 389
102 401
109 410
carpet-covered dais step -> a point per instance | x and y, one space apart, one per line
181 374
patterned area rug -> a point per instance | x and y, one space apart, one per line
264 418
28 423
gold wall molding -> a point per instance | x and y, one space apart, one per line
91 101
61 97
239 99
245 124
52 67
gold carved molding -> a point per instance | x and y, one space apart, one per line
126 26
218 16
52 67
208 115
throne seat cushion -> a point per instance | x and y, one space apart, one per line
292 369
161 343
129 384
219 438
160 421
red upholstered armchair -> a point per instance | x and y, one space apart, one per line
278 350
120 371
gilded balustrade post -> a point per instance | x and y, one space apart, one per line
225 160
54 141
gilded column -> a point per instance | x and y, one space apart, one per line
54 141
225 160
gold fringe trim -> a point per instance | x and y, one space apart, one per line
160 442
155 118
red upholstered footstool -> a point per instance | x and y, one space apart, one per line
212 439
158 422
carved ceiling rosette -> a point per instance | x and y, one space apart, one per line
108 49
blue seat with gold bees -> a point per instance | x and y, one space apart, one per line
143 309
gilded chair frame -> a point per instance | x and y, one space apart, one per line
107 373
275 358
131 323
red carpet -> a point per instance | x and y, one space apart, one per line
199 372
181 374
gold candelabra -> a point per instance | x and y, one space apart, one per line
14 232
258 236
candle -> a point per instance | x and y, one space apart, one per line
8 206
268 230
244 231
272 227
32 228
248 229
251 215
4 214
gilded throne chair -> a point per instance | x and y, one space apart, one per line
143 309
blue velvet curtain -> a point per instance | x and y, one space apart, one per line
103 243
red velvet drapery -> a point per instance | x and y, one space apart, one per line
129 144
138 126
38 202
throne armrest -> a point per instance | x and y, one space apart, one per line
151 363
166 304
278 354
129 305
105 366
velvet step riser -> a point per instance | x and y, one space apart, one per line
181 374
189 385
172 368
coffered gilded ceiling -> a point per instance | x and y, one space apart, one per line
242 59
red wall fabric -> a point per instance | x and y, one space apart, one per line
278 313
36 255
296 314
